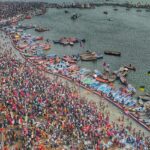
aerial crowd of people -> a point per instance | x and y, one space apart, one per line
43 113
38 111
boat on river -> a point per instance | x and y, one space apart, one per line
90 56
68 41
28 17
40 29
144 98
75 16
105 12
130 67
69 59
115 53
123 80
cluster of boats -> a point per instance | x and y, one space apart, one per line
68 41
32 49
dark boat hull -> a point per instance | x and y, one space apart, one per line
112 53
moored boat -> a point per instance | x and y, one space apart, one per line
123 80
130 67
105 12
28 17
69 59
115 53
68 41
90 56
144 98
100 79
39 38
75 16
40 29
47 47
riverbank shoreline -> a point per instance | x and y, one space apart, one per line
119 112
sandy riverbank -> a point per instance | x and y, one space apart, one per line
115 113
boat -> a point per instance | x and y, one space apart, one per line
27 55
68 41
90 56
51 55
115 53
40 29
130 67
28 17
148 10
105 12
115 9
46 46
123 80
100 79
112 78
66 11
142 88
38 38
144 98
147 94
75 16
138 10
69 59
22 46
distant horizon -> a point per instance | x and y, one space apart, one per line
70 1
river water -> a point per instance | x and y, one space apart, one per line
61 1
128 32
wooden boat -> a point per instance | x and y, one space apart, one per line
105 12
100 79
112 78
27 55
147 94
46 47
130 67
142 88
115 53
123 80
115 9
144 98
22 46
28 17
39 38
39 29
67 41
138 10
69 59
148 10
75 16
90 56
66 11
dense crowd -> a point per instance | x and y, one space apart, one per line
45 113
12 9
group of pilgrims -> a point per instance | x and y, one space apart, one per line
42 112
